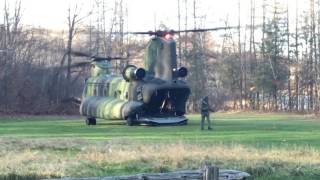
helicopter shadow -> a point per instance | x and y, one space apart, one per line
122 123
111 123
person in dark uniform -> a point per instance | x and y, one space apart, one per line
205 112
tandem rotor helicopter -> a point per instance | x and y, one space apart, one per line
154 95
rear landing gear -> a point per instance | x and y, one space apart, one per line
132 120
91 121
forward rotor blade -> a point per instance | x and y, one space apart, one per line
80 64
74 65
80 54
74 100
96 58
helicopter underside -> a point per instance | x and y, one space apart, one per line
178 120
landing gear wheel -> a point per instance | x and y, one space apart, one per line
132 120
91 121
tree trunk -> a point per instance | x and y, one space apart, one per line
289 62
240 54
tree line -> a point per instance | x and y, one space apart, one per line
268 63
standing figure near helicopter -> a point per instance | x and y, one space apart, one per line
205 112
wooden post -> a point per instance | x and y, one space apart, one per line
211 173
206 172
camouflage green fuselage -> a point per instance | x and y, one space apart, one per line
109 97
158 94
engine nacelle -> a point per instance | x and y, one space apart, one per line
133 73
180 72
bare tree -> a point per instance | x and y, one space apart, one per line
73 20
240 54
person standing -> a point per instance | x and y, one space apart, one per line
205 113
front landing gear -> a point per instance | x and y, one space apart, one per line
91 121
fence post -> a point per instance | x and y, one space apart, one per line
211 173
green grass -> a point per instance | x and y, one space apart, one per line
280 145
244 128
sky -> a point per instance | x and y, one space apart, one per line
143 15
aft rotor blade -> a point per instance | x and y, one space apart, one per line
206 29
146 32
159 33
135 33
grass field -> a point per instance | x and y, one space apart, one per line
269 146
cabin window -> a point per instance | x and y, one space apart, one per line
139 93
95 90
101 90
106 89
127 95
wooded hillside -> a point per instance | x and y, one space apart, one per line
270 63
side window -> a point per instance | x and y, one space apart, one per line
139 93
101 90
95 90
106 89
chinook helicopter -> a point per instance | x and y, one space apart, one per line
155 94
